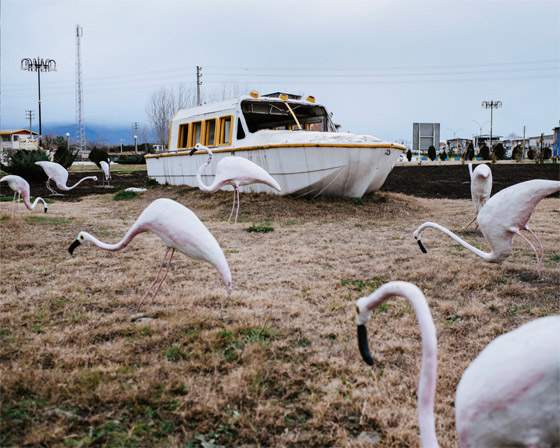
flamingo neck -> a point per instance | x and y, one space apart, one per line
65 188
488 256
428 371
32 206
201 184
111 247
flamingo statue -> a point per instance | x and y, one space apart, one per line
20 187
180 229
59 174
234 171
481 187
106 168
504 216
508 396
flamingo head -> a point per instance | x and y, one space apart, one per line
82 236
95 179
46 208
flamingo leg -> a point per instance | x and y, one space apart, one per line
155 280
164 277
14 205
237 211
54 193
232 208
534 250
539 263
473 220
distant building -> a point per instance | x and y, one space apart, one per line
14 139
425 135
458 144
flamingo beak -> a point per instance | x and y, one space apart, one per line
45 209
422 248
73 246
363 345
192 151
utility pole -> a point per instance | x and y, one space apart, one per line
524 143
80 126
491 105
198 84
29 114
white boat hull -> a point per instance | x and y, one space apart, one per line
301 170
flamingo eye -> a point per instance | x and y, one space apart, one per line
82 237
358 310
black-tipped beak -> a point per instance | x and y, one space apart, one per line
73 246
45 209
363 344
192 151
422 248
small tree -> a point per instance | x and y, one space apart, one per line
432 152
97 155
517 153
409 155
442 155
547 153
499 151
531 154
484 153
469 155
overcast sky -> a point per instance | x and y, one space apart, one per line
378 65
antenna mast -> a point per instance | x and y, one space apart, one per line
80 127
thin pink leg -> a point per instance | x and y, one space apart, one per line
473 220
237 211
155 280
164 277
232 208
535 250
14 205
540 245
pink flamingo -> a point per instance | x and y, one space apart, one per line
180 229
20 187
481 187
504 216
57 172
106 168
508 396
234 171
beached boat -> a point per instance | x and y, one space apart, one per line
293 139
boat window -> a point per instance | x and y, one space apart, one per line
260 115
240 131
196 134
210 132
183 136
225 130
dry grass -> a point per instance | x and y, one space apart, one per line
274 364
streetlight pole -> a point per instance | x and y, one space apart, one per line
491 105
39 65
480 126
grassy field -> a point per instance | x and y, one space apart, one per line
275 364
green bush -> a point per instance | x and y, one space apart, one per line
22 163
442 155
547 153
470 152
124 195
133 159
484 153
517 153
409 155
531 154
432 152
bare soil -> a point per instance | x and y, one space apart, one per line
274 364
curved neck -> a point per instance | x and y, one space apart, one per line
484 255
65 188
201 184
112 247
32 206
428 371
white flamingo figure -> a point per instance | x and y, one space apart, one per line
106 168
507 397
180 229
59 174
481 187
234 171
504 216
21 189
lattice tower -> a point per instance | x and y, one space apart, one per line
80 127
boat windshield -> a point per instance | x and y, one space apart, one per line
285 115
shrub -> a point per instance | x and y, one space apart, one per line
22 163
64 157
133 159
484 153
499 151
124 195
432 152
409 155
547 153
531 154
261 228
97 155
442 155
517 153
470 152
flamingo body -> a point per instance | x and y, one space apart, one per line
234 171
59 174
481 187
180 229
508 396
106 168
504 216
20 187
